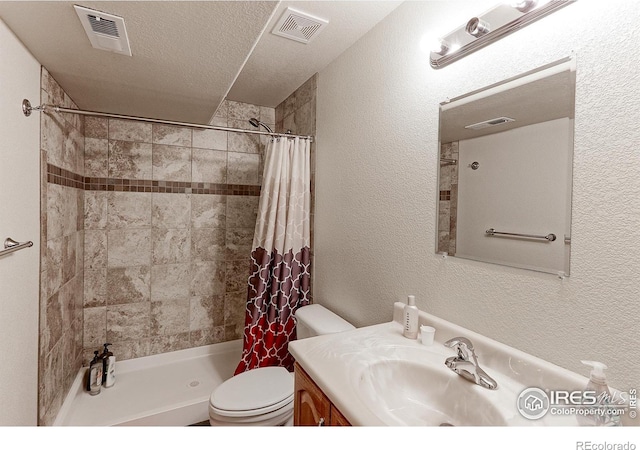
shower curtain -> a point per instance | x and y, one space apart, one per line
279 277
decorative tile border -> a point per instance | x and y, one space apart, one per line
57 175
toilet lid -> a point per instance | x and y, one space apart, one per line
255 389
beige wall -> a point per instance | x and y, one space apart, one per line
377 137
19 220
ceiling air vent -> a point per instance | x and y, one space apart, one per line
490 123
299 26
105 31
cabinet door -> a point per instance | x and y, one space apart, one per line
311 406
337 419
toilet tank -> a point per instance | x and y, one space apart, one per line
315 320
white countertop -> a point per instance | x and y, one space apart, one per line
337 362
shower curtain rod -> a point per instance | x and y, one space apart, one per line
27 109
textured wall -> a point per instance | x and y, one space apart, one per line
376 187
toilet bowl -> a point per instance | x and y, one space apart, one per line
243 399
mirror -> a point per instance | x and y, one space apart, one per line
505 171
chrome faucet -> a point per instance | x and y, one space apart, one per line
465 363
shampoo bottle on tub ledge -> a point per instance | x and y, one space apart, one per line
410 318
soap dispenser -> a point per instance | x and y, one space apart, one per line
108 367
598 384
94 379
410 318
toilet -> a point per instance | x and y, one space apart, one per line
264 396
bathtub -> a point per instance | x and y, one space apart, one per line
170 389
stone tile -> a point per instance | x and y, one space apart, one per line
239 243
242 211
243 124
129 248
207 278
237 275
239 110
211 139
208 211
289 123
169 343
130 160
307 92
235 306
129 210
171 210
169 317
54 265
171 135
207 244
129 349
268 115
244 143
209 166
96 158
207 336
171 246
305 119
171 163
243 168
130 130
73 149
127 322
95 210
95 249
128 285
62 210
69 255
55 324
96 127
95 327
206 312
52 137
95 287
170 281
290 105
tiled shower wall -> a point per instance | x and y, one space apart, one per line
61 267
448 191
298 114
169 220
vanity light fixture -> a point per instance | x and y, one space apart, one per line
441 47
502 20
524 5
476 27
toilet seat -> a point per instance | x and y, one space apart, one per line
266 392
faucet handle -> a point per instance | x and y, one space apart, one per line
463 346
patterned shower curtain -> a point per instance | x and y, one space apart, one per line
279 277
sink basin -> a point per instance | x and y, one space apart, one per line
401 392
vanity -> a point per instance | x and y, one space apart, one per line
374 376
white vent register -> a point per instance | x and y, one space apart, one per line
105 31
299 26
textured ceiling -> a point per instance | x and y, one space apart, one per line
187 55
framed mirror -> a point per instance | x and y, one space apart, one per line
505 171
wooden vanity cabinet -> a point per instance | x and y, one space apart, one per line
311 407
